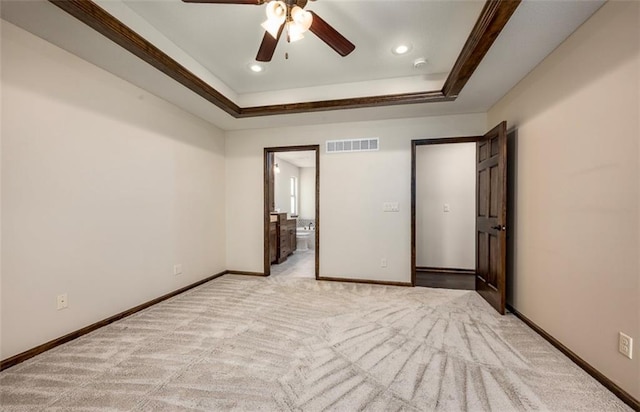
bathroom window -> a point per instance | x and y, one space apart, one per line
294 195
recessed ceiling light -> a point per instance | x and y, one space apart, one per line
256 68
401 49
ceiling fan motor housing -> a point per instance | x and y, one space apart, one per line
298 23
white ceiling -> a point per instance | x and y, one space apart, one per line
216 42
225 38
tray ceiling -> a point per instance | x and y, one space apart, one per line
225 38
215 43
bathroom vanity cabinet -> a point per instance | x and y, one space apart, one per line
282 237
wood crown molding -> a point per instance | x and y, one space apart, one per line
104 23
492 19
494 16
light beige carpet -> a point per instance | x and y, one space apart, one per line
270 344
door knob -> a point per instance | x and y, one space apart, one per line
499 227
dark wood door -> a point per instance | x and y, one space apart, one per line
491 216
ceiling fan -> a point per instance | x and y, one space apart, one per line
290 15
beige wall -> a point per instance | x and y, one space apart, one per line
355 233
104 188
577 191
446 174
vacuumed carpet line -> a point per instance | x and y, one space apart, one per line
281 343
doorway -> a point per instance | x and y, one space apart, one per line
292 211
445 214
443 233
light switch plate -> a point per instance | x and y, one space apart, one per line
62 301
390 207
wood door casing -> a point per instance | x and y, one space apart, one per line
491 216
273 242
269 201
271 182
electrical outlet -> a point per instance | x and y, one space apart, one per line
177 269
446 207
383 262
63 302
625 345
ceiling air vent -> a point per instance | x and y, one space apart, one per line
353 145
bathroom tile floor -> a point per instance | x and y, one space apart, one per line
298 265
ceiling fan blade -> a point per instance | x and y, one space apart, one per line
268 46
329 35
253 2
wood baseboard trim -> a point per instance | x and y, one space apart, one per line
365 281
447 271
28 354
597 375
245 273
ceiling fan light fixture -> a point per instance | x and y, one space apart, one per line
301 18
276 10
294 31
298 22
276 15
272 27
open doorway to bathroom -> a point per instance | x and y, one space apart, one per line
292 211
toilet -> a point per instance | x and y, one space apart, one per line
302 240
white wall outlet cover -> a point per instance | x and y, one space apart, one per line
446 207
625 345
177 269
